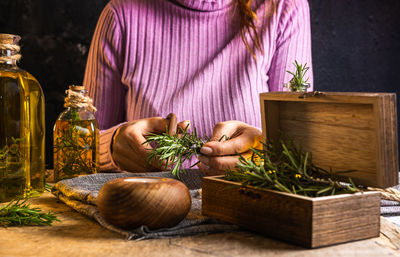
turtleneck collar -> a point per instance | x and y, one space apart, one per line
204 5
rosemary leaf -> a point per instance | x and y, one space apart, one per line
174 150
19 213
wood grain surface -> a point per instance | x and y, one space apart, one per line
344 131
79 236
155 202
304 221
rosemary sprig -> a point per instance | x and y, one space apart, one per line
19 213
285 168
174 150
298 83
48 187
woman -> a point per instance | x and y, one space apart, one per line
205 60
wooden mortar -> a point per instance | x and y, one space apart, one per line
155 202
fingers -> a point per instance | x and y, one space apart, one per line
153 125
132 138
172 126
183 125
241 136
230 147
126 159
220 163
129 150
225 129
237 138
135 133
158 125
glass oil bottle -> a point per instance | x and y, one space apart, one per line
22 127
76 137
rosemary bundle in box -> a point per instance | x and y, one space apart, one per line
286 168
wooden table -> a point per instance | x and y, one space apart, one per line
78 235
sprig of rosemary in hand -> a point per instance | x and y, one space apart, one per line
298 83
174 150
285 168
19 213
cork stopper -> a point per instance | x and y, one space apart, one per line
9 39
76 88
76 97
9 49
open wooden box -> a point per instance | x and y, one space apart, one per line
344 131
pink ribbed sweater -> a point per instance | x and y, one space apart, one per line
152 57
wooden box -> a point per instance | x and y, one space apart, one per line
344 131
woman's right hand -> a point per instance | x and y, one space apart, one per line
129 151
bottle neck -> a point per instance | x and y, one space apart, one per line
9 58
78 99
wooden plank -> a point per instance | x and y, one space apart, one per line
391 232
330 148
387 148
354 116
337 220
344 131
277 215
326 97
305 221
272 117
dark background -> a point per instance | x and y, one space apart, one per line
356 45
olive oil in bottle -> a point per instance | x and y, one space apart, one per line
22 128
76 137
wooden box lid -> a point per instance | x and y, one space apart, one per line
344 131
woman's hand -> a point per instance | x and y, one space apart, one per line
129 152
229 139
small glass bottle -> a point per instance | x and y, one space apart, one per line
22 126
76 137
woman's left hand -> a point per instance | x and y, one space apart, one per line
229 139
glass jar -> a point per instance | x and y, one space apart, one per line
22 126
76 137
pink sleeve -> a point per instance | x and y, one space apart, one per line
103 70
105 158
103 81
293 42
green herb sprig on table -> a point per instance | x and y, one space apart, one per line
48 187
19 213
298 83
286 168
174 150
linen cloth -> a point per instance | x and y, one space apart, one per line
80 193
